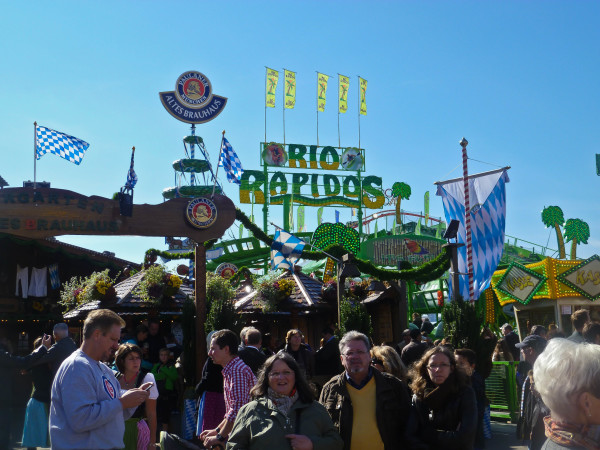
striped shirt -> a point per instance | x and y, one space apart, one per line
238 379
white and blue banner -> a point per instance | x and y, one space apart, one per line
61 144
487 196
286 250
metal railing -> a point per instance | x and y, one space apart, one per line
501 390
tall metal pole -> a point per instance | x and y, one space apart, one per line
193 155
34 155
463 144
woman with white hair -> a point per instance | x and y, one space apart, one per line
567 376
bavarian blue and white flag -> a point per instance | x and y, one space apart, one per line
286 250
61 144
487 196
230 162
132 178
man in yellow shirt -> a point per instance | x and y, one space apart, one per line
370 408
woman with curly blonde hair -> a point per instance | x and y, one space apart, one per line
386 359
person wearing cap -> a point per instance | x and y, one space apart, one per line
533 409
511 339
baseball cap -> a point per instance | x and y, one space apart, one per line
534 341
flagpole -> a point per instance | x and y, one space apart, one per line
34 155
317 109
218 162
283 104
266 68
358 111
463 144
339 141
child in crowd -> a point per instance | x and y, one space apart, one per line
166 377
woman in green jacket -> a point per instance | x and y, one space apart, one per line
283 413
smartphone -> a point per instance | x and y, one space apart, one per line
149 387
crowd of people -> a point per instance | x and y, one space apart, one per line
118 391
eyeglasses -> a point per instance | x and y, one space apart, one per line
438 366
357 353
285 373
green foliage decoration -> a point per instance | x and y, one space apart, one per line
462 324
431 270
81 290
354 316
336 233
219 302
156 284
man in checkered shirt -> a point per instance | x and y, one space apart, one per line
238 379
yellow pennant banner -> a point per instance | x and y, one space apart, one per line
321 90
290 89
272 78
363 96
344 85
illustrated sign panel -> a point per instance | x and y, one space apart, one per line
520 283
584 278
389 250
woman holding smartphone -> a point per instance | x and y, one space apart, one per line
140 429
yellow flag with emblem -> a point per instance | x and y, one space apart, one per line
363 96
344 85
290 89
272 79
321 90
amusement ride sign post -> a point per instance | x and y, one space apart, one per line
193 102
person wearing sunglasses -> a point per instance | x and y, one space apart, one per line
444 411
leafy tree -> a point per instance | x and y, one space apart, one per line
400 190
462 324
354 316
553 216
219 299
577 232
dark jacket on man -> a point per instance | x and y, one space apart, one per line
327 359
392 407
253 357
56 354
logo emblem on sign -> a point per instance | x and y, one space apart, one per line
226 270
201 212
193 100
108 387
193 89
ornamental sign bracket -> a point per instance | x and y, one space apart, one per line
193 100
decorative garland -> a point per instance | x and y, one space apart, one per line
431 270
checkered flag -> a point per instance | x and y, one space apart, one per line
286 250
230 162
67 147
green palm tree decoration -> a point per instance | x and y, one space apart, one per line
400 190
578 232
552 216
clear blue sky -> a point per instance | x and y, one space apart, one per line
518 79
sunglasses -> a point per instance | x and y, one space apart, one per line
376 361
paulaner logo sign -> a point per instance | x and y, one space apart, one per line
193 100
